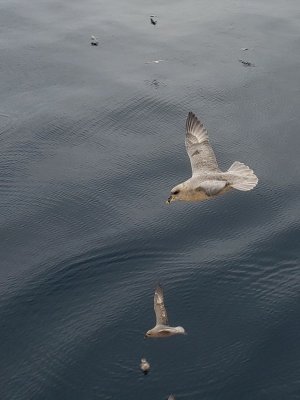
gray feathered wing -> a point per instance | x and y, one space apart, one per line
198 147
159 307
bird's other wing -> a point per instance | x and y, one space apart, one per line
198 148
159 307
212 188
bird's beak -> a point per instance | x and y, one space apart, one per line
145 336
170 198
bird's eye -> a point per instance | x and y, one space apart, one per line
176 192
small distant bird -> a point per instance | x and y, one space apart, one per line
154 61
162 327
153 22
94 41
171 397
247 63
207 179
145 366
244 48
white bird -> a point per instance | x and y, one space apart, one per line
207 179
154 61
94 41
145 366
162 327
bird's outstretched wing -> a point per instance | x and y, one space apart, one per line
198 148
159 307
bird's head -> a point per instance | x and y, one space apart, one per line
148 334
177 193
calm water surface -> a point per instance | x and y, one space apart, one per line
91 142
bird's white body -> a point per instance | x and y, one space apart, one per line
94 41
144 366
165 330
189 190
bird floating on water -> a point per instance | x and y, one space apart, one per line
207 179
154 62
144 366
153 21
247 63
94 41
162 327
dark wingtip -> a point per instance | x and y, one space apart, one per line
191 116
158 288
189 121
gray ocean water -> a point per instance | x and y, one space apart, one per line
91 142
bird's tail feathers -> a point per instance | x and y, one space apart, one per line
244 177
180 329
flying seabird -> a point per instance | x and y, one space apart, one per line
162 327
207 179
145 366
